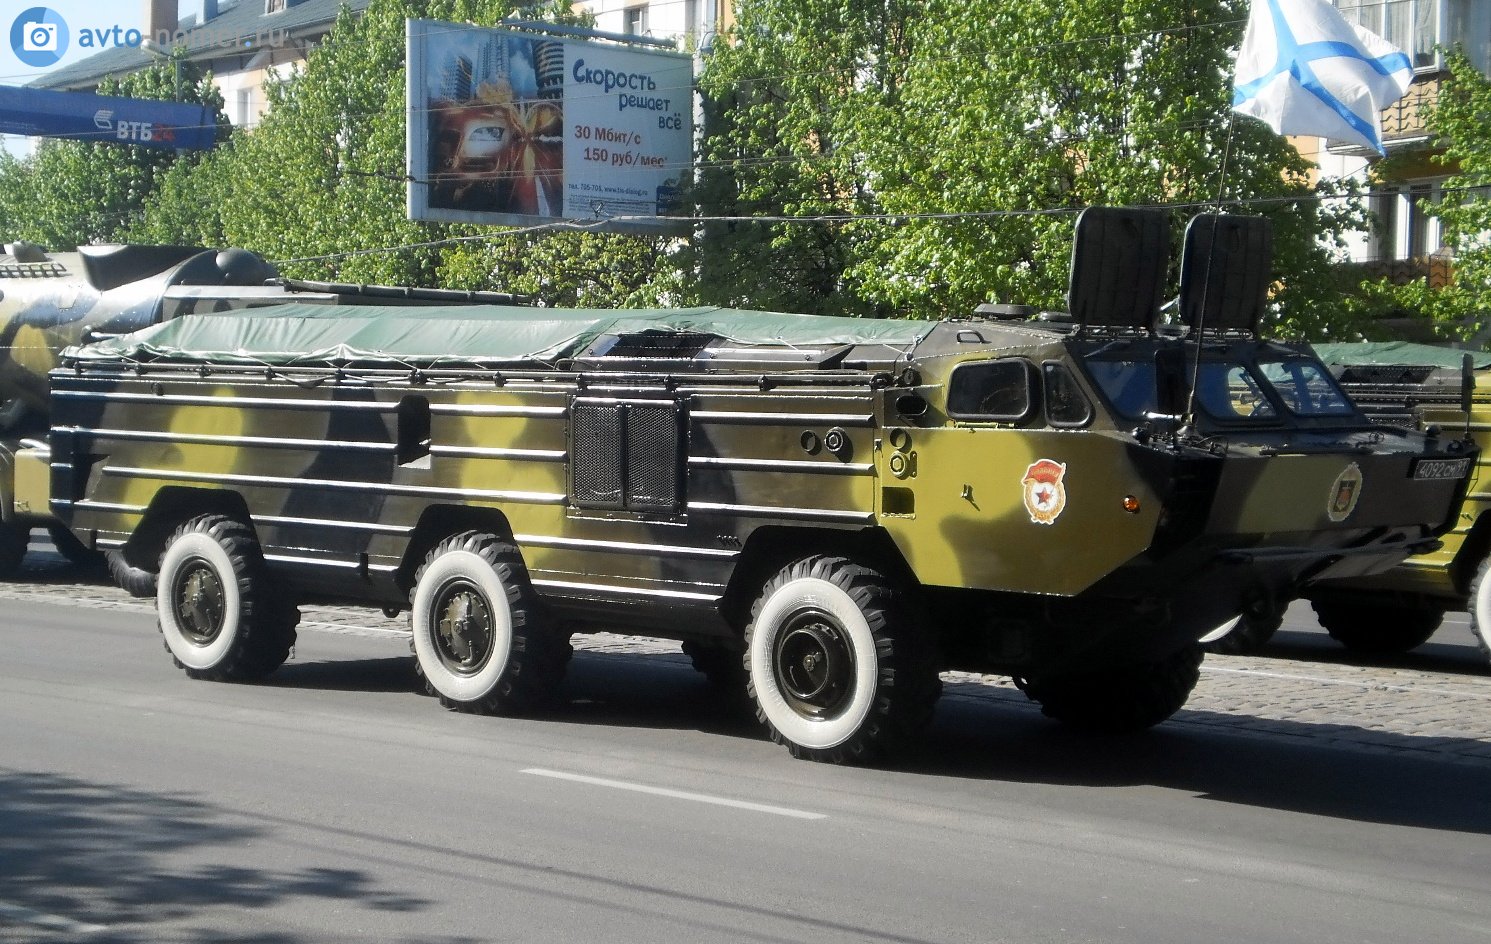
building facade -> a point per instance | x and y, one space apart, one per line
245 43
693 24
1405 241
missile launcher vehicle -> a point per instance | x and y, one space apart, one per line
825 511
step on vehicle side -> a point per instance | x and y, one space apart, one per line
830 510
1447 393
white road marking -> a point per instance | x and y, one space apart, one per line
1370 686
38 919
674 794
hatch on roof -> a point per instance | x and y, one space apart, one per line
1119 258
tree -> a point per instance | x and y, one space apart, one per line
321 180
783 136
71 193
1460 117
980 127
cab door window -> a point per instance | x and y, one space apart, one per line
1001 391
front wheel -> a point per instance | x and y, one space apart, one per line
838 670
480 637
1249 632
218 616
1379 623
1480 607
1120 700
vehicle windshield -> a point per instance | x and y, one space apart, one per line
1228 389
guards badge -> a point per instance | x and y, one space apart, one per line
1045 493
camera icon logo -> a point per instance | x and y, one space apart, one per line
39 37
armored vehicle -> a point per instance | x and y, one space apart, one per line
1433 389
49 301
828 510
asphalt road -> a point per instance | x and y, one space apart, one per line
334 804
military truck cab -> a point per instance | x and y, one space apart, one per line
825 511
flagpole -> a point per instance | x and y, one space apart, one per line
1189 418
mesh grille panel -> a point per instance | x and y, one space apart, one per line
652 457
596 458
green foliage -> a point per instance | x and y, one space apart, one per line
1030 108
784 100
1461 117
323 176
70 193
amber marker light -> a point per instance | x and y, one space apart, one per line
1131 504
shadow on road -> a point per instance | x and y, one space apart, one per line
391 674
994 734
1432 656
1340 771
137 862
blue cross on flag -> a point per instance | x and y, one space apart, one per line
1303 69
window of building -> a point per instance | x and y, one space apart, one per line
634 20
1403 227
1468 28
245 107
1411 25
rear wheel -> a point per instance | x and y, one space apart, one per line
218 616
480 637
1379 623
135 581
838 670
13 541
1129 698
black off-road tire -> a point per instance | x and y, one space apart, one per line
68 545
13 542
1480 607
1129 698
135 581
1379 624
839 668
721 663
1255 627
218 616
482 640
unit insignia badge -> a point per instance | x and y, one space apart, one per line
1045 493
1345 493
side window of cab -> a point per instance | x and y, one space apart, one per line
999 391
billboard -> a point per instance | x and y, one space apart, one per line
82 116
520 129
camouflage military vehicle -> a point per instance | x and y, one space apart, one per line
830 510
51 301
1433 389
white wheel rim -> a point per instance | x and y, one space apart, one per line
450 569
775 617
185 549
1480 611
1221 632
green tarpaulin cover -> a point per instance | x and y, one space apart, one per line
1398 354
470 334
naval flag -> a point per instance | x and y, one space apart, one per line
1303 69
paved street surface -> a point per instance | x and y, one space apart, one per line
1307 795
